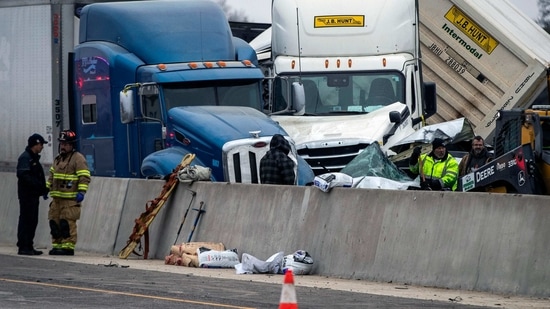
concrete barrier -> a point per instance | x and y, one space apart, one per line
473 241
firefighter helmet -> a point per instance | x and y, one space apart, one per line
67 136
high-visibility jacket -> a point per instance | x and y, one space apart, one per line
69 175
445 169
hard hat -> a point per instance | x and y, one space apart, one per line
301 263
67 136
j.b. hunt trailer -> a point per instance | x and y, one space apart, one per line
484 56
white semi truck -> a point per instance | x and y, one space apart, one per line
483 55
358 63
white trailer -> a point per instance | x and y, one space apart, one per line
36 37
484 56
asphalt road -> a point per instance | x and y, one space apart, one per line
89 280
39 282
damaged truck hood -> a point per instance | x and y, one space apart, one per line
313 131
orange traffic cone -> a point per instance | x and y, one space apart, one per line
288 294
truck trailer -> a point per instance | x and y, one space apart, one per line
151 81
484 56
36 38
359 65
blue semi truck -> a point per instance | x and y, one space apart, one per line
155 80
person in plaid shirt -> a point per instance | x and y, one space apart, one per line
276 167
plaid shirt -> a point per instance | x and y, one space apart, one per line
276 167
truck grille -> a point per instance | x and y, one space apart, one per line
330 159
242 159
252 166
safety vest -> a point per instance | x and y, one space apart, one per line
445 169
69 175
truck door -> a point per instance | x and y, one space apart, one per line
150 128
93 115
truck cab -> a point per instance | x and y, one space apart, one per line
155 80
358 63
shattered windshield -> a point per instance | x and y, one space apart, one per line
373 162
213 93
342 93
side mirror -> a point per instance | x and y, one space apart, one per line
298 99
126 106
395 117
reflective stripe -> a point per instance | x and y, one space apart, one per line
67 195
67 245
80 173
69 177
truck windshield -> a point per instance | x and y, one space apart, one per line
343 93
220 93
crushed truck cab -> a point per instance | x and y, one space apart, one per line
359 68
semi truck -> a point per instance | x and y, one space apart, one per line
359 65
150 81
484 56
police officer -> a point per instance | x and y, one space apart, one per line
438 169
68 184
31 184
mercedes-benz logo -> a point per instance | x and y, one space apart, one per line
521 178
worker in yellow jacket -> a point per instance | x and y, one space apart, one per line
438 169
68 183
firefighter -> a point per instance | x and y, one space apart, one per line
438 169
68 183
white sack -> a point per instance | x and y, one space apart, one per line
194 173
253 265
217 259
327 181
372 182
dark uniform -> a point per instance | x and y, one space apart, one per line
68 182
31 185
276 167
